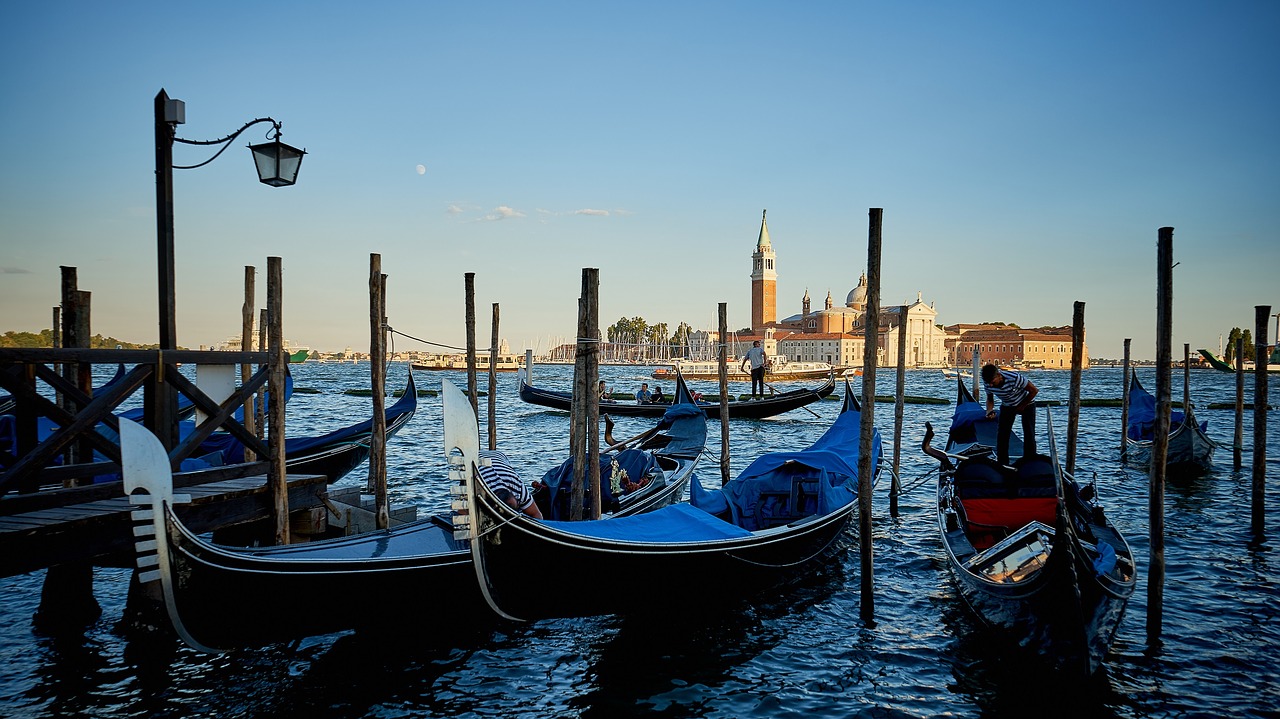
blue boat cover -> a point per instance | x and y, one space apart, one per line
782 487
673 524
635 462
1142 414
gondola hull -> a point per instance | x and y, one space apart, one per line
220 597
1065 613
230 597
537 570
1030 555
743 409
1190 449
781 519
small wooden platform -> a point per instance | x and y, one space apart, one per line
101 532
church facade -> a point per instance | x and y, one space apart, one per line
836 334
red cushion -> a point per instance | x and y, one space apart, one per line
1008 513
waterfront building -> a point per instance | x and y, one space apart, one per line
1012 346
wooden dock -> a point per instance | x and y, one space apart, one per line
100 532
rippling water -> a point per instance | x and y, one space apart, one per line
802 652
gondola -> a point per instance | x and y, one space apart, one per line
414 575
220 597
779 520
743 409
1032 552
333 454
1190 448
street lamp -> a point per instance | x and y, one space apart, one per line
276 162
277 165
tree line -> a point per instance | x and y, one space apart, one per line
44 339
1229 355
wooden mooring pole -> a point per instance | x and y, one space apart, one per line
246 342
67 604
723 362
1237 444
591 365
872 322
469 284
1160 444
584 433
275 399
260 404
899 406
493 379
1261 314
1124 402
1077 366
378 385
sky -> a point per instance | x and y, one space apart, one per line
1025 156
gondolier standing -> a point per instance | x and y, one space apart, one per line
1017 397
755 356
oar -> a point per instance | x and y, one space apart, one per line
804 407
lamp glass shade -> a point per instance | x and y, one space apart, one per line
277 163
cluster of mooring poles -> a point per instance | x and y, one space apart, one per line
1160 445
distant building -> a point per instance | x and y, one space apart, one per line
1039 348
836 333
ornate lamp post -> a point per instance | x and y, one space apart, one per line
277 165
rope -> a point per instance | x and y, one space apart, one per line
394 331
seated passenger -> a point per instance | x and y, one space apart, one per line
658 397
502 479
643 396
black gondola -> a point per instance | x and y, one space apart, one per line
333 454
744 409
777 521
1032 553
1190 448
222 597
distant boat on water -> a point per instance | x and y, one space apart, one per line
506 363
779 369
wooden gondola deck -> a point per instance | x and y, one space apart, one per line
101 531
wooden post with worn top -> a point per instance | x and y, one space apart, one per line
723 368
1077 366
1262 314
871 321
275 399
246 344
1160 443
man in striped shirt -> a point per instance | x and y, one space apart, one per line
501 477
1017 398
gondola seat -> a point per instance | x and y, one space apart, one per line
996 502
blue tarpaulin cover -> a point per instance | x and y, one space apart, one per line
780 487
672 524
1142 413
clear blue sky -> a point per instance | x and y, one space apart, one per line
1025 155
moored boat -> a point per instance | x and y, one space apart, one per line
1032 552
779 369
1190 447
768 406
780 519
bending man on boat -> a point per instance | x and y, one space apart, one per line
1017 398
497 472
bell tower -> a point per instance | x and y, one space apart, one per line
764 281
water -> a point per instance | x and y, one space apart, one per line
803 652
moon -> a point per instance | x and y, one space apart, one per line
422 169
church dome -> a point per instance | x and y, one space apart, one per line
858 295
